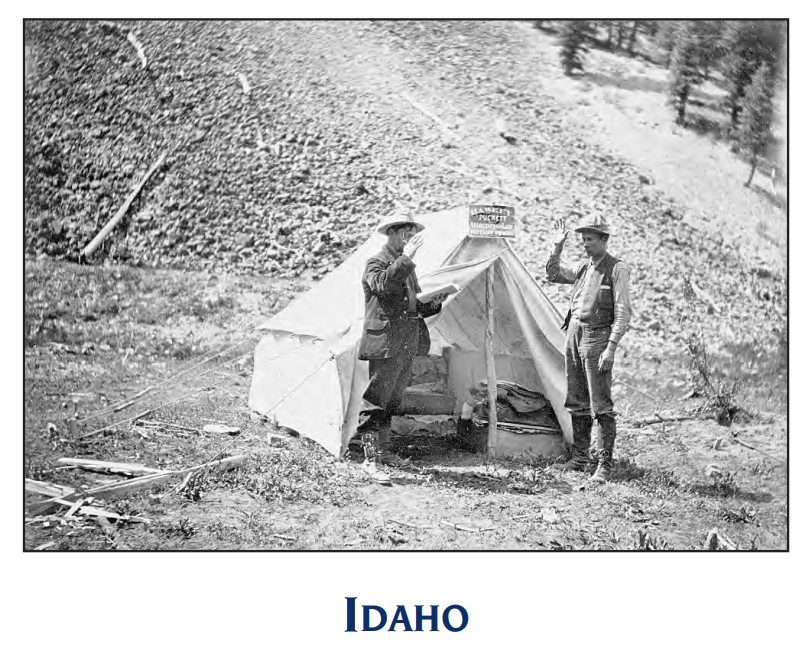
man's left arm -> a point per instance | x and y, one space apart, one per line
623 313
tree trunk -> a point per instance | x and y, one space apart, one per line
753 164
620 35
734 115
610 34
632 38
683 101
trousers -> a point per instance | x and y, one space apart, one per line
589 392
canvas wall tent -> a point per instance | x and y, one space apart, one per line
306 371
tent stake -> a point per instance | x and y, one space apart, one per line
489 361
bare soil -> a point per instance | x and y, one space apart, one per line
290 494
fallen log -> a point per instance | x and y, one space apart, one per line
90 248
118 489
136 484
47 489
139 49
100 466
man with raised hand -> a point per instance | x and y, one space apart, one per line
598 317
394 332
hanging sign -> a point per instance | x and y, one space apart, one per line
491 221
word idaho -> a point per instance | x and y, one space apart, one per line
454 618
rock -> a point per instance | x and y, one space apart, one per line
244 240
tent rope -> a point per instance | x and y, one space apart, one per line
154 390
194 392
297 386
152 410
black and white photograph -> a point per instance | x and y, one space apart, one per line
423 285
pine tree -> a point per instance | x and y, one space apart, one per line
757 116
573 45
684 67
710 43
665 36
748 44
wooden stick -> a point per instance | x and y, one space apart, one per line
75 507
284 538
736 440
102 513
646 421
90 248
400 522
474 530
430 115
155 422
101 466
44 546
489 360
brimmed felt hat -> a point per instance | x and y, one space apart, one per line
596 223
397 218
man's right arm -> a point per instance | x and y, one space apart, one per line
555 272
383 279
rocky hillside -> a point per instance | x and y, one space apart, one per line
286 141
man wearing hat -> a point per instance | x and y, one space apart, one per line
394 330
598 317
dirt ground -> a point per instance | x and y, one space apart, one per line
91 342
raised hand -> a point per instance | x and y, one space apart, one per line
413 245
560 232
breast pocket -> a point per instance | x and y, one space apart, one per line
605 296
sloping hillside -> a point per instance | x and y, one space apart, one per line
287 140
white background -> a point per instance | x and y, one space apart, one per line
514 598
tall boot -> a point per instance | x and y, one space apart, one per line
605 446
581 436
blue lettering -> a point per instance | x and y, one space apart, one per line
463 614
381 613
350 615
401 618
419 617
